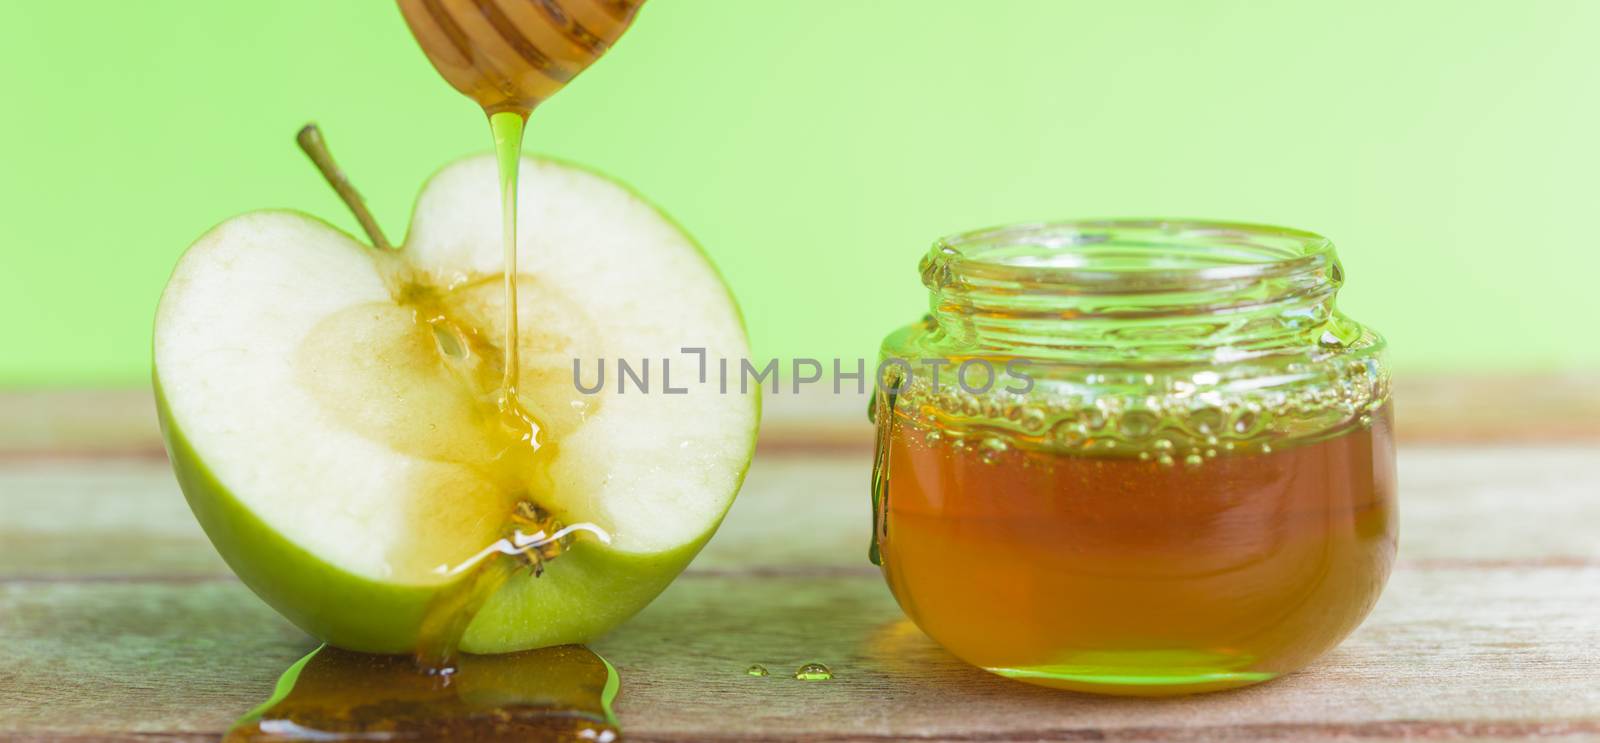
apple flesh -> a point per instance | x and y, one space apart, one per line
327 440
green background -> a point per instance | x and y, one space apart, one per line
816 148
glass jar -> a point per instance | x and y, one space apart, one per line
1134 457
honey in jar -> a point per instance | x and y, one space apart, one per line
1135 457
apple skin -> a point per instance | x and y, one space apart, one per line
582 594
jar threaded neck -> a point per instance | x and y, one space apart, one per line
1150 291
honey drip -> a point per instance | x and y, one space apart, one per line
464 410
462 413
509 56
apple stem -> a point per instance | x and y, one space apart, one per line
315 147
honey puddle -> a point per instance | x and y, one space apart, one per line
553 694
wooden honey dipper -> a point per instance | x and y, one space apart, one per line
511 55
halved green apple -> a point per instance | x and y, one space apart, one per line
315 411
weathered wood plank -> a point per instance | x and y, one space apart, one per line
1501 503
1450 652
1438 655
98 518
126 517
136 657
38 421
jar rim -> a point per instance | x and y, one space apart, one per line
1118 256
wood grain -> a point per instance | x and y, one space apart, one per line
66 519
118 621
1450 652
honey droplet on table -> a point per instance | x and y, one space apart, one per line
813 672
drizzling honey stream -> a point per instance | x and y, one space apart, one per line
508 56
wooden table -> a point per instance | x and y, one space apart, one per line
119 622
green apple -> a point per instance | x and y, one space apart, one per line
320 425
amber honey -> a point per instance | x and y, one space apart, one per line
1089 571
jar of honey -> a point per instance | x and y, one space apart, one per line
1134 457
